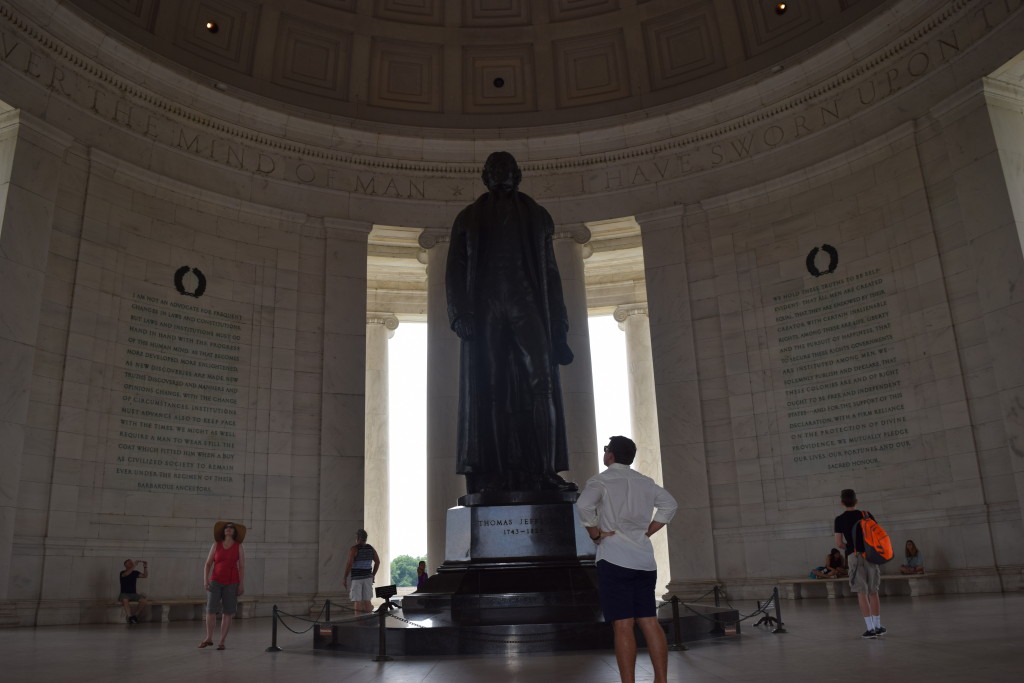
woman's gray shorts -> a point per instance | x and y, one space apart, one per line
221 598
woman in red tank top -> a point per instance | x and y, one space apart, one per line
226 582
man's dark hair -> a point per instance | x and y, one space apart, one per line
623 449
126 563
361 534
848 497
497 167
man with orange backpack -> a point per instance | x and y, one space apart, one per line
865 576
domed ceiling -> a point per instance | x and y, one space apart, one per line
474 63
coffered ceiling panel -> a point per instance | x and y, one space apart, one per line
232 41
405 75
568 10
591 69
428 12
312 57
682 46
496 12
474 63
763 28
498 76
346 5
139 12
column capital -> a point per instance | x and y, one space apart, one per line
578 232
345 228
431 237
623 312
388 320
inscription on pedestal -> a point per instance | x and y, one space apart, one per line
515 531
178 398
841 405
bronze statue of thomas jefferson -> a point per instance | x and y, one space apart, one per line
505 304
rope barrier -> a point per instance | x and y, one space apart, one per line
762 609
532 638
312 622
278 616
411 623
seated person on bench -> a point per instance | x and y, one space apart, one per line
129 593
834 567
914 562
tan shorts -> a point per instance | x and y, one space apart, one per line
360 590
865 577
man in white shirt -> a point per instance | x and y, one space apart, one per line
621 510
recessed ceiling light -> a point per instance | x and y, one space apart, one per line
780 8
212 26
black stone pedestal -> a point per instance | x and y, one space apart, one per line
518 577
525 561
433 635
526 593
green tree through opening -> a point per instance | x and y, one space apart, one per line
403 569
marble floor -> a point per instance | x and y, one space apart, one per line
934 639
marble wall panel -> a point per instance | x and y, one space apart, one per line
886 189
301 571
134 219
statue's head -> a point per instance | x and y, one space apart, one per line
501 172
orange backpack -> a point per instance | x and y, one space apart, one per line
877 546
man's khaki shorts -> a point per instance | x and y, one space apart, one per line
865 577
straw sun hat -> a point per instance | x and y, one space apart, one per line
218 531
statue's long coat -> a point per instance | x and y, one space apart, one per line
477 452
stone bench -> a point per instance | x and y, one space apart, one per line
183 609
791 589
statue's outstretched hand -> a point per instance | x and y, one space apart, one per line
464 327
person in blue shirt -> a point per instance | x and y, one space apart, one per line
914 562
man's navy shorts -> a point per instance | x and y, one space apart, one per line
625 593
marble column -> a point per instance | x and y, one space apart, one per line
379 328
31 154
676 386
643 411
443 486
570 243
983 138
342 462
1000 285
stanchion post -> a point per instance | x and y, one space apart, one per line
677 631
382 647
778 611
327 610
719 627
273 633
